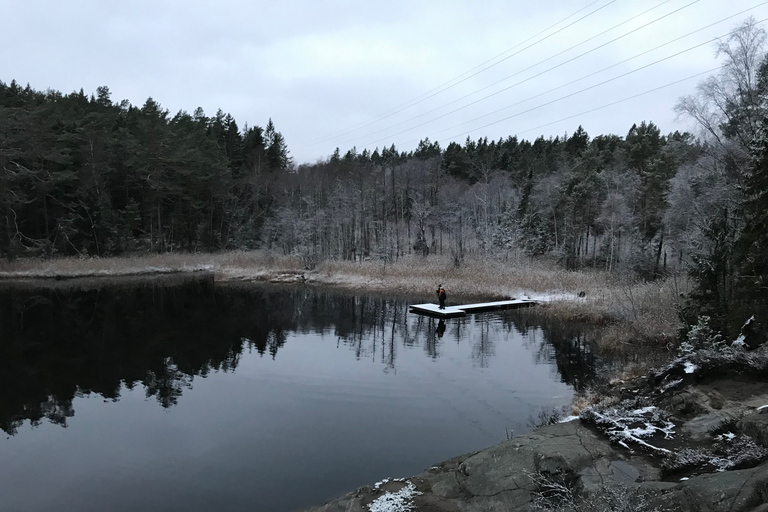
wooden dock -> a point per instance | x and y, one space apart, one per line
454 311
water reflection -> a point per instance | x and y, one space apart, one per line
569 345
161 333
63 342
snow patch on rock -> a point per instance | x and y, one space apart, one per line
626 424
400 501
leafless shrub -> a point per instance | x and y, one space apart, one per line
729 451
556 494
632 422
650 309
546 416
714 361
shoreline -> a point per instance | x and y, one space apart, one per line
579 453
628 317
699 445
606 298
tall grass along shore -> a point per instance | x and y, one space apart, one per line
632 314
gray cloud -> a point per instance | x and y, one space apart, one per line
320 69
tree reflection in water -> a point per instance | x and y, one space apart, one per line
75 338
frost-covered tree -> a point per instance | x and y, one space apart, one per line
752 253
754 237
727 105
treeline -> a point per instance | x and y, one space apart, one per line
84 175
597 202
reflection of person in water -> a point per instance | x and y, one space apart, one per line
440 328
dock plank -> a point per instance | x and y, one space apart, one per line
434 310
462 310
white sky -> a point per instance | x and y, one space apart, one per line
327 71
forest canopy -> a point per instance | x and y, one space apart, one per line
84 175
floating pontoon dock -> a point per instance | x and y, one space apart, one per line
453 311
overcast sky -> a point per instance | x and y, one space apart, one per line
363 73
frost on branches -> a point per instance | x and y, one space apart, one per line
629 424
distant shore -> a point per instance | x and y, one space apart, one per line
631 314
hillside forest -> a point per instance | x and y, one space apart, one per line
85 175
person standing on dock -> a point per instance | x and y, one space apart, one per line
441 296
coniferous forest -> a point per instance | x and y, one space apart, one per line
83 174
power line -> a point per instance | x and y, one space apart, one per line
526 79
595 85
581 90
618 101
613 66
447 85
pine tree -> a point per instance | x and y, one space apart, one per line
277 149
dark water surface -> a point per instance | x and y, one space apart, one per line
181 395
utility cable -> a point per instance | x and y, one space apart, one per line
595 85
447 85
612 66
614 102
529 78
577 92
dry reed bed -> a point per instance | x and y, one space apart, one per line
630 311
472 279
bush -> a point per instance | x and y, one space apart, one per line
554 494
702 337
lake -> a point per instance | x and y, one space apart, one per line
181 394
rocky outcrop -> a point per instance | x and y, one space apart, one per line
503 477
508 477
582 461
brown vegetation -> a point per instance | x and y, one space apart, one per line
632 314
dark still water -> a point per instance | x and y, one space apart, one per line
181 395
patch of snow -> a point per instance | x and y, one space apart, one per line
568 419
400 501
689 367
625 425
551 297
739 342
645 431
648 445
728 452
671 385
380 483
720 463
621 431
762 407
684 479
